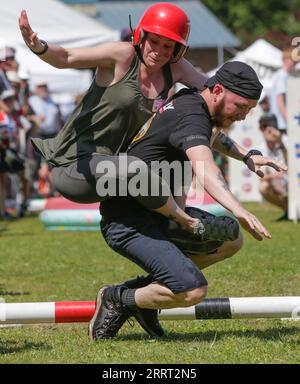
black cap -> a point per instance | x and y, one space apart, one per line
239 78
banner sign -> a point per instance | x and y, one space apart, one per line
293 107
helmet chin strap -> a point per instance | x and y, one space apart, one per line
139 54
137 48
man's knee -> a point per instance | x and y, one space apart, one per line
194 296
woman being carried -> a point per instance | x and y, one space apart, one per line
132 81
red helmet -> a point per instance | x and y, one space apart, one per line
166 20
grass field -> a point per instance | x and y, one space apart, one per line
36 265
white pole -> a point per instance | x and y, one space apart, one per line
26 313
265 307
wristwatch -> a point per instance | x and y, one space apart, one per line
44 50
252 152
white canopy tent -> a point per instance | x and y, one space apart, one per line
55 22
58 24
264 58
263 52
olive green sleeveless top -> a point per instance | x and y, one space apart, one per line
105 121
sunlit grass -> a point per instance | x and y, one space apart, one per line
37 265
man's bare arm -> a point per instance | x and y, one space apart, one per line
217 187
228 147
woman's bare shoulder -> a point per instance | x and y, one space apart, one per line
183 71
124 51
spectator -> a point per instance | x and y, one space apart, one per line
279 90
32 128
49 115
7 102
24 87
3 146
44 107
10 160
264 103
6 55
274 186
15 83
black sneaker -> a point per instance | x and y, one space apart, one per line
109 314
222 228
148 320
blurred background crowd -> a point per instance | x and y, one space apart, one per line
24 113
30 109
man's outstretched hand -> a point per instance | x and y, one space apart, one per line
255 163
251 224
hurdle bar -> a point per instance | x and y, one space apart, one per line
213 308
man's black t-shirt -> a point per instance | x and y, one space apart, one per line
181 124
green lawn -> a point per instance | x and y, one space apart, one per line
37 265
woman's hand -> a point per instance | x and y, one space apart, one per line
29 36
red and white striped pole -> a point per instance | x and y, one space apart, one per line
49 312
214 308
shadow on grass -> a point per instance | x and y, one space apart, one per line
8 347
271 334
3 292
15 234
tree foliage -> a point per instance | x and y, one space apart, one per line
276 20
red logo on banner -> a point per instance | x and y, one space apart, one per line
247 142
247 172
247 187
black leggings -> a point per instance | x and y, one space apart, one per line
84 180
